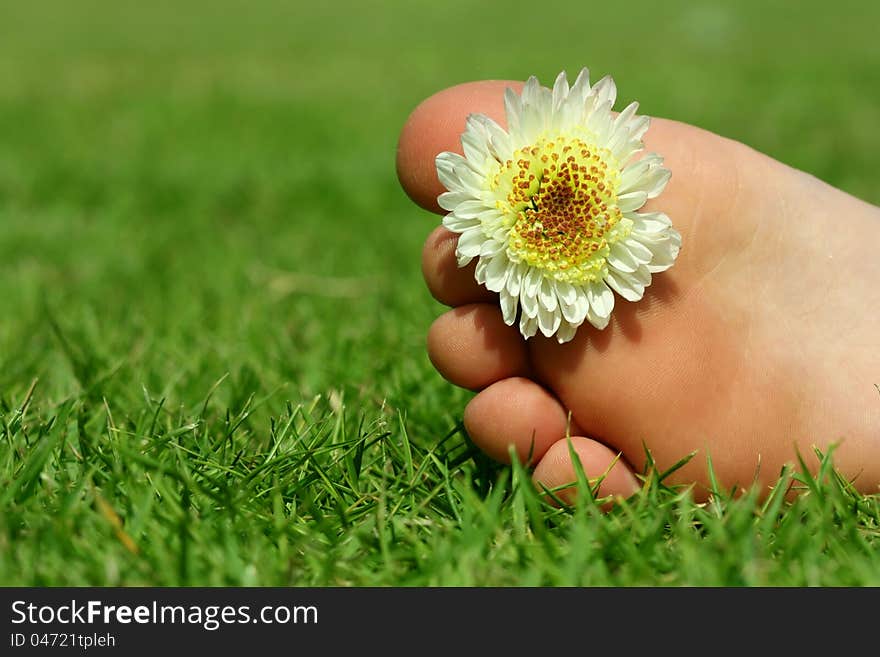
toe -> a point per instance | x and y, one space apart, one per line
515 412
472 347
449 283
436 126
556 471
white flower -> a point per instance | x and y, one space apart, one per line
549 207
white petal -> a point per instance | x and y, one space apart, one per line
599 321
513 110
475 142
641 276
631 201
638 127
640 253
629 148
599 121
470 242
649 222
548 321
509 304
492 220
665 252
534 109
605 91
515 278
566 292
662 263
468 209
532 281
601 299
572 111
575 311
490 248
445 163
620 141
622 120
530 92
457 224
658 179
581 86
547 295
651 177
560 90
633 173
480 271
499 140
497 272
620 258
625 286
471 179
529 303
451 200
566 332
528 326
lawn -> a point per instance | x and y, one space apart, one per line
212 320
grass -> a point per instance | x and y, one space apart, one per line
211 314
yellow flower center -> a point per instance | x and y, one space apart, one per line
560 197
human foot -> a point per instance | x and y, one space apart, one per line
759 342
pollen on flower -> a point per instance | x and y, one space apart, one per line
561 197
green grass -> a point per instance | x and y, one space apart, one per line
211 313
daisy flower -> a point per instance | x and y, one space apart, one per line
549 207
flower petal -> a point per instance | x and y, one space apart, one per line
468 209
560 92
509 305
497 272
548 321
490 248
649 222
515 278
547 295
528 326
601 299
633 173
639 252
626 286
605 91
631 201
513 111
566 292
599 321
532 281
457 224
529 303
451 200
470 242
566 332
646 175
620 258
446 162
575 311
475 143
499 140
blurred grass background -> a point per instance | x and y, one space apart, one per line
185 169
200 192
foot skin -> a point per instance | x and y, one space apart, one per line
763 340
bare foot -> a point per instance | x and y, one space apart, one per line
763 340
